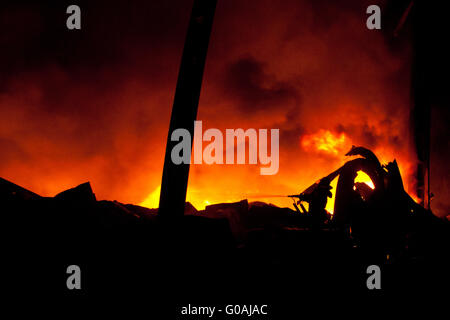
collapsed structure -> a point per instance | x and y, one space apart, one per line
383 226
379 217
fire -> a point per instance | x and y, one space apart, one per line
325 141
363 177
152 201
113 133
330 203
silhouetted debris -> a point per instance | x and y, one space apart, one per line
244 218
11 191
81 193
382 226
268 216
189 209
235 213
142 212
114 214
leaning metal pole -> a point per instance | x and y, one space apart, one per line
421 112
185 106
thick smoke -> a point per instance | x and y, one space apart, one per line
95 104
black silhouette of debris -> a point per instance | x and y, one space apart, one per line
243 242
9 191
80 193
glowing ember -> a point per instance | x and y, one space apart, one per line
152 201
330 203
325 141
113 133
363 177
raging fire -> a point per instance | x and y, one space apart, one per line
364 178
113 132
324 141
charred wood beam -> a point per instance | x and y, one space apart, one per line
185 105
421 111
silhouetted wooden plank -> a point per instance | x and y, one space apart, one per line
424 45
185 105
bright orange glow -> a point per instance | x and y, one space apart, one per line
324 88
197 197
152 201
324 141
330 203
363 177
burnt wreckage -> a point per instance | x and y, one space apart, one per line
378 218
242 241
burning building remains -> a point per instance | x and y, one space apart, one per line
98 106
382 226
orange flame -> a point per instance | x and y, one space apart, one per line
363 177
325 141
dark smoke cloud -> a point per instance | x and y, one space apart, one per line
95 104
247 80
89 104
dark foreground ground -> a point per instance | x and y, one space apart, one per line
229 254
